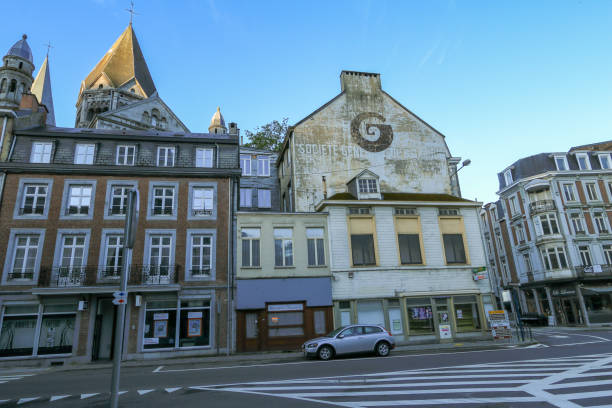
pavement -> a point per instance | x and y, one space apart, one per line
564 368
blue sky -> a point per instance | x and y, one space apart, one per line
500 79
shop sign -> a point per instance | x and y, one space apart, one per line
150 340
593 269
286 307
160 316
563 292
500 325
445 331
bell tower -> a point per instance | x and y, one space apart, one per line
16 74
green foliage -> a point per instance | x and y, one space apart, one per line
269 136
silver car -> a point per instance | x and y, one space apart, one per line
356 338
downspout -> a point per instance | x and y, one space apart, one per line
2 133
230 252
217 154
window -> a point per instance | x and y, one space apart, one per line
420 316
72 257
405 211
263 166
568 192
454 249
283 247
466 313
285 320
527 261
508 177
165 156
608 253
548 223
600 222
583 161
163 201
448 211
34 199
119 199
514 208
316 246
591 190
126 155
561 163
554 258
577 223
250 246
520 233
362 246
204 157
246 197
25 251
263 198
585 255
368 186
160 269
410 249
200 255
79 199
359 210
245 164
202 201
113 256
84 154
604 161
41 152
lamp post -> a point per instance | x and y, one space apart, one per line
465 163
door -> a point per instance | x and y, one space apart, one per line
252 330
104 330
351 341
444 325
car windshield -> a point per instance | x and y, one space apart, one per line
335 332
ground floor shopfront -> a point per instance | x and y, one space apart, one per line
281 314
571 303
64 328
421 318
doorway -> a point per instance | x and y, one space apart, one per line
104 330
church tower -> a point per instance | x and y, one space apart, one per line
42 89
217 123
120 78
16 74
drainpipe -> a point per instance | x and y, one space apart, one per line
230 253
2 133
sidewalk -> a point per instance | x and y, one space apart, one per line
268 357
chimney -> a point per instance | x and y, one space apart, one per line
28 101
233 128
363 82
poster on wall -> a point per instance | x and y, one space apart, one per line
445 331
459 314
194 327
160 328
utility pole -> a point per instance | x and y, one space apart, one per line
129 232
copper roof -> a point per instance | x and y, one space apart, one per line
123 62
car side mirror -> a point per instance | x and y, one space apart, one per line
341 336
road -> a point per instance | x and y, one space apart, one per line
569 368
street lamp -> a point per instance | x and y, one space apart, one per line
466 162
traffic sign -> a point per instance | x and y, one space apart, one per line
120 298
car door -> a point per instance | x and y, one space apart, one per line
348 340
370 336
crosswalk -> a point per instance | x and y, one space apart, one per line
13 377
564 382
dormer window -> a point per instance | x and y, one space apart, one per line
583 161
508 177
561 163
604 161
368 186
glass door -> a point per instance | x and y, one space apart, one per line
443 319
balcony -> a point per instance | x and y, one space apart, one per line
541 206
13 276
94 275
201 212
155 274
594 271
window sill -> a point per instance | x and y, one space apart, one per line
317 266
284 267
250 267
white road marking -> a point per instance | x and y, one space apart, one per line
58 397
572 334
158 369
85 396
143 392
24 400
170 390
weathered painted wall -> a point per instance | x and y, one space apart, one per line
364 128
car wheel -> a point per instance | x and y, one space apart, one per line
382 349
325 353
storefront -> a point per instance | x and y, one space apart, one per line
598 303
422 318
567 307
280 314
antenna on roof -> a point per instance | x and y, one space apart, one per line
131 11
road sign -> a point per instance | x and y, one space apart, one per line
120 298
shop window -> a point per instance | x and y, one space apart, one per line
319 322
466 313
160 325
285 320
598 306
250 246
420 316
18 330
370 312
316 246
283 247
345 313
195 323
57 329
395 317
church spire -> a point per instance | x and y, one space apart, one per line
123 65
42 89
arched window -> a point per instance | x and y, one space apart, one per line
145 117
154 121
20 65
3 85
100 86
13 86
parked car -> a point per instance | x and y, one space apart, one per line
357 338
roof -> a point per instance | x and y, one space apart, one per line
42 89
404 197
21 49
123 62
217 119
601 146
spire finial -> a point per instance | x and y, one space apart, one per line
218 109
49 46
25 36
131 11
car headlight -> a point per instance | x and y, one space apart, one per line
311 345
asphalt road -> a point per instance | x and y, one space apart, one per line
569 368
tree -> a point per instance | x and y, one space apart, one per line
269 136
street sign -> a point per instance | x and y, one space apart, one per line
500 325
120 298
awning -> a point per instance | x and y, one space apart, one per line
255 293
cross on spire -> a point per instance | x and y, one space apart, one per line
131 11
49 46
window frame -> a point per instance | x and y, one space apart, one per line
587 161
315 247
191 233
204 150
166 156
127 147
285 242
86 145
603 217
59 242
365 184
572 191
68 184
151 200
205 185
108 202
576 218
587 191
43 154
250 239
146 256
250 195
246 158
262 190
609 161
565 163
584 252
545 254
106 233
264 159
508 179
21 196
465 252
10 255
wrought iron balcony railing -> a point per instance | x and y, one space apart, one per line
201 212
594 271
93 275
541 206
156 274
32 210
20 275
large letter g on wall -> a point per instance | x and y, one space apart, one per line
383 133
